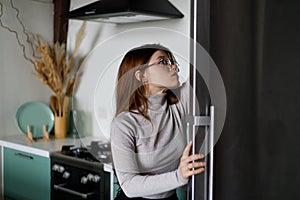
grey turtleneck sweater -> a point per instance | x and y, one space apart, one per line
146 154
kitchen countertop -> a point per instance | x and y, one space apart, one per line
43 148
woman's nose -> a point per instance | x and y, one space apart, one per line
174 67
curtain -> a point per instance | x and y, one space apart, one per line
256 46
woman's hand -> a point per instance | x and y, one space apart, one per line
188 163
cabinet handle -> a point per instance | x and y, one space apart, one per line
24 156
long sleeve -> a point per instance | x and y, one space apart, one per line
135 185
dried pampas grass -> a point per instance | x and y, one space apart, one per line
55 71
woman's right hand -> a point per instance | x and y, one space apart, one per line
190 164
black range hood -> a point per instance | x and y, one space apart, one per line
125 11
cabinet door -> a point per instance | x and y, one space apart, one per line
26 176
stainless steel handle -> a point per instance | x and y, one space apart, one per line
211 157
24 156
63 189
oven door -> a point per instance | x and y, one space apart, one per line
74 182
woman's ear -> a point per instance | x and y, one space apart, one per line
138 74
141 76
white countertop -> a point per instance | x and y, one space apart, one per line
43 148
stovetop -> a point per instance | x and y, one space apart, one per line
97 151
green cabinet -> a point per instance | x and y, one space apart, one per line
25 175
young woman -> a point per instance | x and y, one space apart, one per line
148 144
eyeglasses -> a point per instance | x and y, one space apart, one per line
165 61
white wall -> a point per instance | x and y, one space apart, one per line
104 46
17 82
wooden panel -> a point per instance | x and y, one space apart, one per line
60 25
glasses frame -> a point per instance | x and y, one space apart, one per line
169 61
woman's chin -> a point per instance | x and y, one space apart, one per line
175 85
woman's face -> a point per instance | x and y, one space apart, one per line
159 76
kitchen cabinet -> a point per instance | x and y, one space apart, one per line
25 175
25 166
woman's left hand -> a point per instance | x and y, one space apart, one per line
189 164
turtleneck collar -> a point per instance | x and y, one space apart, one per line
157 101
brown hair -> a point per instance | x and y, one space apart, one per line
131 93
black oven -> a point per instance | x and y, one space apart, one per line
77 174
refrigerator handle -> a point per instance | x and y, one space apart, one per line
206 121
211 158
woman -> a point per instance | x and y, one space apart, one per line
147 138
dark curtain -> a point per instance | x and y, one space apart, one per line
256 46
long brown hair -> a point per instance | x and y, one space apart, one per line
131 93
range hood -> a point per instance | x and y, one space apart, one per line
125 11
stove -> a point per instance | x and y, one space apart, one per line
77 172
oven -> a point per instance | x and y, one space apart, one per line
77 173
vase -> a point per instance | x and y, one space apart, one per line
61 120
60 126
72 131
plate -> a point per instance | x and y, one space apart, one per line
34 114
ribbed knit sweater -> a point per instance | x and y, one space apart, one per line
146 154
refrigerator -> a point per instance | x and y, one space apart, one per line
257 155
